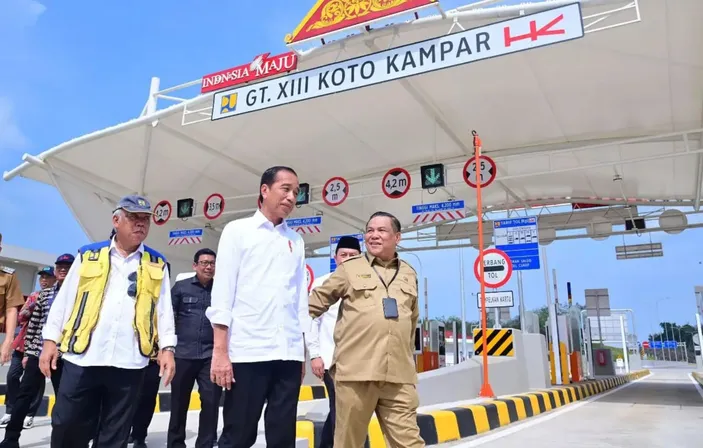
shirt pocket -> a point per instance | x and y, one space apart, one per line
365 294
408 296
190 303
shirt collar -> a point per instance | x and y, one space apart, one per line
140 249
386 264
261 220
194 280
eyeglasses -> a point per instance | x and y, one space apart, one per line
132 289
206 263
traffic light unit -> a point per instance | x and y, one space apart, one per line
432 176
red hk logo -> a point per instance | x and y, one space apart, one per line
534 33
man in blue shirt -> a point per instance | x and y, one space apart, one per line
190 298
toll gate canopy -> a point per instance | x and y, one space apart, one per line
610 117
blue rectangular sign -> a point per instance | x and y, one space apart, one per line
185 233
309 221
519 239
438 207
665 344
333 247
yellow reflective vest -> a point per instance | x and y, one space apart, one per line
94 273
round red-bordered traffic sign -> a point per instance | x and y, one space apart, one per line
335 191
214 206
310 276
499 277
162 212
488 171
396 183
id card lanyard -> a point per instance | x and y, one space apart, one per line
397 269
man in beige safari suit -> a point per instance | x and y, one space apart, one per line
373 366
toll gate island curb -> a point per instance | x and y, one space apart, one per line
457 423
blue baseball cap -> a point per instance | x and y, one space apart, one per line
48 271
134 204
65 259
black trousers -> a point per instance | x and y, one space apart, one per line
327 436
276 383
31 382
14 375
87 394
188 372
147 401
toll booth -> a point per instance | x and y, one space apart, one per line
428 358
438 343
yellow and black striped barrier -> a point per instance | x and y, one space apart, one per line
498 343
465 421
44 409
163 400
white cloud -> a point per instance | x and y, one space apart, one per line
19 14
11 137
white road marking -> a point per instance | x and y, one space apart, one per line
539 420
697 384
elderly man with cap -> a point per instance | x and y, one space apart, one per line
14 374
373 366
33 380
110 316
321 338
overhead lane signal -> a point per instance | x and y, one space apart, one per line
433 176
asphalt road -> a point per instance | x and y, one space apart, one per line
663 410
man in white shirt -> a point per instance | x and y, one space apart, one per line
321 339
259 312
112 312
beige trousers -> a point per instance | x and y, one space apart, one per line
395 406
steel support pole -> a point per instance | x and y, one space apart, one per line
463 302
552 319
625 351
523 325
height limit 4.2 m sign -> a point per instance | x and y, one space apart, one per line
396 183
497 268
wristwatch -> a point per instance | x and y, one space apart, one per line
169 349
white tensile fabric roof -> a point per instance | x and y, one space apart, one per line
560 122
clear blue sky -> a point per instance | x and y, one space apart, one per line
73 67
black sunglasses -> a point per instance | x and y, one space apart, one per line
132 289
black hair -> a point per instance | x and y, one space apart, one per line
395 223
269 177
112 233
201 252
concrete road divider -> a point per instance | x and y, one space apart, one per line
460 422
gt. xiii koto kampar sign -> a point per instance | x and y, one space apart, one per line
511 36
